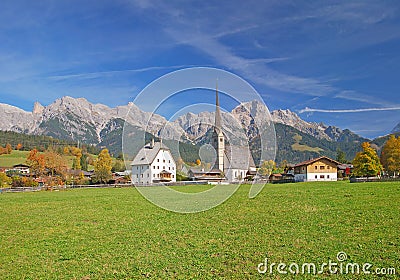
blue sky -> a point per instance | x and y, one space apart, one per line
336 62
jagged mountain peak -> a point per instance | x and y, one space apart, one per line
396 128
37 108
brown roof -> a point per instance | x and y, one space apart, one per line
310 161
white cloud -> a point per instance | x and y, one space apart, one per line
311 110
101 74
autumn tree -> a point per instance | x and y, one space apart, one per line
266 168
102 167
390 155
367 163
5 181
54 162
36 162
77 153
18 147
8 148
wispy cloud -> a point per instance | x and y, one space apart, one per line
101 74
311 110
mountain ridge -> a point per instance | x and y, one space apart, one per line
78 119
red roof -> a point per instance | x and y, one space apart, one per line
310 161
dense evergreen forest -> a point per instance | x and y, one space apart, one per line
26 142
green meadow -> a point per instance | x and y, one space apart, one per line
115 233
16 157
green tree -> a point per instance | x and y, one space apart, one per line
118 166
84 162
390 155
102 167
341 156
5 181
367 163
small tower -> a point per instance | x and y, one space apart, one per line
218 136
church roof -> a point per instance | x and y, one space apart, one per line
147 154
238 157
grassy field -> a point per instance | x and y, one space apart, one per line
16 157
116 234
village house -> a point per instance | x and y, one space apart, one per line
153 164
22 169
318 169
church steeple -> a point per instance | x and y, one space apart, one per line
218 136
217 111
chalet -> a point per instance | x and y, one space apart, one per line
200 174
22 169
153 164
232 164
318 169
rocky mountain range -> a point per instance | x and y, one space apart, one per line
78 119
396 129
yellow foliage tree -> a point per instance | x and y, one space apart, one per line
367 163
390 155
102 167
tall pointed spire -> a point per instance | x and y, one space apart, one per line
217 110
218 135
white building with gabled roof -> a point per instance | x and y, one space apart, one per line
153 164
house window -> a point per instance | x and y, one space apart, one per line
220 139
148 175
158 167
163 167
163 160
173 176
322 167
327 176
316 176
321 176
154 175
316 167
141 175
169 161
158 160
328 167
169 168
154 167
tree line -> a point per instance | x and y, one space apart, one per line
368 163
25 142
51 168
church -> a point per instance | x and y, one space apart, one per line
232 163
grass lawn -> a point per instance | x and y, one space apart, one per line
117 234
16 157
